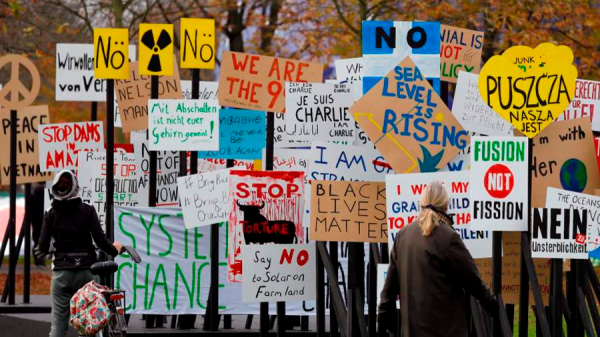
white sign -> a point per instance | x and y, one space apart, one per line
350 71
318 111
382 270
559 233
208 90
60 143
499 182
586 103
277 273
471 111
403 193
205 198
75 73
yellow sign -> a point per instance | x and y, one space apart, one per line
529 87
156 49
111 53
197 49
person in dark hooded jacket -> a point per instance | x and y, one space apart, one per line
74 227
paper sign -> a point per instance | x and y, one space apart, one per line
75 79
387 43
499 183
183 125
586 103
277 273
205 198
408 122
460 51
564 157
266 208
197 43
156 49
473 113
403 207
318 111
111 53
559 233
256 82
241 135
348 211
528 87
133 95
60 143
382 270
208 89
350 71
561 199
29 120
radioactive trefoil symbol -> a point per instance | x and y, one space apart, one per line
164 40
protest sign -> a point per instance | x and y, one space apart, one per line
499 183
350 71
278 273
348 211
597 144
529 87
156 49
559 233
208 89
462 161
133 94
408 122
205 198
91 174
473 113
387 43
210 164
112 53
291 160
183 125
267 207
75 79
197 43
382 270
586 103
403 206
562 199
167 172
241 135
256 82
28 166
60 143
460 51
575 169
318 111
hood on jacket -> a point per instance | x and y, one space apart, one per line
69 193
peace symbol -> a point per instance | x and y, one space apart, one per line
13 89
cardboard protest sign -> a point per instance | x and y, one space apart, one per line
75 79
559 233
586 103
167 172
575 169
28 124
197 43
256 82
460 51
60 143
241 135
499 183
208 89
387 43
183 125
348 211
529 87
462 161
562 199
403 206
205 198
318 111
473 113
277 273
350 71
112 53
133 94
267 207
91 174
156 49
408 122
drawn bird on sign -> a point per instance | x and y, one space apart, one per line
164 40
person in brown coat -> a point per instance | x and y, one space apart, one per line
433 273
